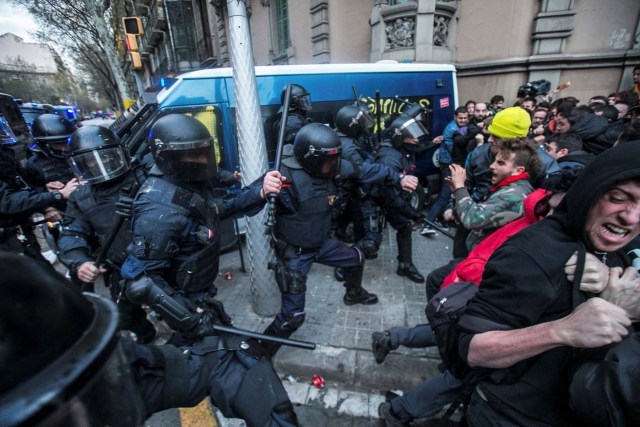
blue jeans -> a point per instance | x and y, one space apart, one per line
443 199
427 399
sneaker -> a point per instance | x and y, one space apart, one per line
427 230
380 345
390 420
442 225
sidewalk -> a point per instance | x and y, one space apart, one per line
355 384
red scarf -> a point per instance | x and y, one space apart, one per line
508 181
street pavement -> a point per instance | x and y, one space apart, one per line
354 384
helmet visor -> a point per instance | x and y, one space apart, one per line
99 165
366 120
302 102
6 134
331 167
413 129
323 162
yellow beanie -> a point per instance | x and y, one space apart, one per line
512 122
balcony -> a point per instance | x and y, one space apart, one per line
155 28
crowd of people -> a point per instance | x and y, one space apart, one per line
544 196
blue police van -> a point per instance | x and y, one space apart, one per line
209 96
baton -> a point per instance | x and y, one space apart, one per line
114 231
284 341
440 229
271 197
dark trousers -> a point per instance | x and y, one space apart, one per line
332 253
481 414
437 276
427 399
240 385
419 336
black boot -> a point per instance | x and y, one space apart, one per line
405 264
338 274
409 271
356 294
271 348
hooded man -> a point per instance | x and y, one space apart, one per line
521 328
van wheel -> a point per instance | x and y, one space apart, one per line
418 198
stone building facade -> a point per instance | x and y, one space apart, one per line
496 45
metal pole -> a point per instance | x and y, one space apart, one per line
252 151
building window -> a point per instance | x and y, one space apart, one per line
282 25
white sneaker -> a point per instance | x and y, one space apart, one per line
427 230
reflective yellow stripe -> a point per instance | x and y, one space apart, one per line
198 416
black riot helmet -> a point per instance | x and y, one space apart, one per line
408 133
300 99
317 148
49 130
182 147
354 120
61 361
96 155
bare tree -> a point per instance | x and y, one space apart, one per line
86 30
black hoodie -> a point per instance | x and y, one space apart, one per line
524 284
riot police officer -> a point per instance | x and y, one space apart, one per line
299 108
101 162
303 225
174 255
48 163
354 124
406 136
18 201
62 363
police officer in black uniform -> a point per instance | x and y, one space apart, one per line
18 201
299 108
174 255
48 163
354 124
405 137
62 363
101 162
303 224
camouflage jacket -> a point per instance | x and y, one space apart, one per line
500 207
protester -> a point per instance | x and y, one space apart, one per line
520 329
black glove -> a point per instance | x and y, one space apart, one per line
124 206
216 308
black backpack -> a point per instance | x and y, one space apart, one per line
443 312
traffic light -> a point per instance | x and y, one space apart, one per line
136 61
133 28
132 25
132 43
132 47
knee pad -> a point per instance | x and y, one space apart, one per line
297 282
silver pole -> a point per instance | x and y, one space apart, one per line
253 156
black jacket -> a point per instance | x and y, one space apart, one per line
524 284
